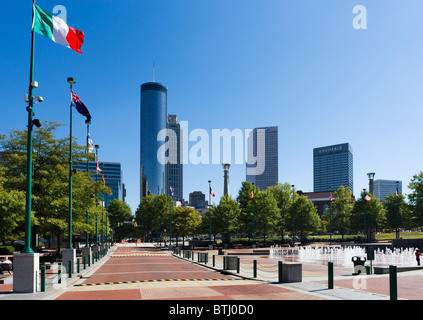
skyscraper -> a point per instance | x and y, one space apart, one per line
153 120
262 160
113 177
333 167
174 168
383 188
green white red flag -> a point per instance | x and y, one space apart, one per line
56 29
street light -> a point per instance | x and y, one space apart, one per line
87 122
170 217
365 224
397 217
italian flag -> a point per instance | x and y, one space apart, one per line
57 30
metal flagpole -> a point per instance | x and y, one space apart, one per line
71 81
28 204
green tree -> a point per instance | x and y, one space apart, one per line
185 222
302 216
154 211
12 211
266 213
246 205
119 211
226 215
368 215
415 199
397 212
340 209
281 193
50 172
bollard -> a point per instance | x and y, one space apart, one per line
78 268
255 268
59 272
393 290
237 265
330 275
214 261
70 268
43 278
280 280
83 262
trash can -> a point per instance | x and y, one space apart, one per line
359 264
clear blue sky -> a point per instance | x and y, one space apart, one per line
297 64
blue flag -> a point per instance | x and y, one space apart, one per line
80 106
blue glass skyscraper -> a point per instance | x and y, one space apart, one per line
153 119
333 167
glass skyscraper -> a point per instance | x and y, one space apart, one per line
112 175
153 120
383 188
174 168
333 167
264 144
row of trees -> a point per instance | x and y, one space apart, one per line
278 210
50 189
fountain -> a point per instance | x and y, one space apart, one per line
342 256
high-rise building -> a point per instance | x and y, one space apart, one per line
197 199
174 168
383 188
113 177
333 167
262 160
153 120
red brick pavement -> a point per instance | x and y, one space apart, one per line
137 268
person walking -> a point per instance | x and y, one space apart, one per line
418 256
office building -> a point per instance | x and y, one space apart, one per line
113 177
383 188
174 168
332 167
262 160
197 199
153 120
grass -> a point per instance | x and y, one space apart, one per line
403 235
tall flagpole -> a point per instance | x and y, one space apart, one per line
28 204
71 81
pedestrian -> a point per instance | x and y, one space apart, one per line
418 256
7 265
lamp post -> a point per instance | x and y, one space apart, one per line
293 215
210 212
397 216
170 217
330 215
96 200
71 82
365 224
254 221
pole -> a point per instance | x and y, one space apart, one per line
170 219
70 176
293 216
27 247
210 213
397 228
88 217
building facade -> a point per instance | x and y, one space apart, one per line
262 160
383 188
174 168
113 177
333 167
197 199
153 120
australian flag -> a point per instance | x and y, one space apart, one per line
80 106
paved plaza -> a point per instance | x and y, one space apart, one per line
145 272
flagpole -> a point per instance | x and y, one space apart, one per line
88 217
28 204
71 81
210 213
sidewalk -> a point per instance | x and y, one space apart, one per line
6 289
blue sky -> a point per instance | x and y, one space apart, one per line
232 64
